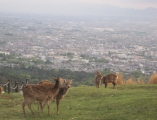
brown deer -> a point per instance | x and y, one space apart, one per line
62 92
110 78
40 92
97 79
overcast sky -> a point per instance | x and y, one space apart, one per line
65 6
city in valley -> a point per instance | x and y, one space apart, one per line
85 44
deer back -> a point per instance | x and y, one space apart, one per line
109 78
37 92
45 82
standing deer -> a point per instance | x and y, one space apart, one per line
42 93
97 79
62 92
110 78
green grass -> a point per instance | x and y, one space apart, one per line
128 102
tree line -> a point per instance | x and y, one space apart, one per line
35 74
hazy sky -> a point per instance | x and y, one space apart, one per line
65 6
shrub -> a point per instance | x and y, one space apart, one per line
120 79
153 79
140 81
130 81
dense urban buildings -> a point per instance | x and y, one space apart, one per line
87 44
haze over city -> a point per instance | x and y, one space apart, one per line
73 7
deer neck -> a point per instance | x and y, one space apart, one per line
64 91
56 88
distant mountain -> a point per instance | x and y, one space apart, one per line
150 11
106 10
92 10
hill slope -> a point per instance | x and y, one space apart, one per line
90 103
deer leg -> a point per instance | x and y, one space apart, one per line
43 105
105 85
114 85
54 99
48 105
23 107
29 106
57 102
98 85
38 103
39 106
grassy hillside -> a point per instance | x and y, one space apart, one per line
129 102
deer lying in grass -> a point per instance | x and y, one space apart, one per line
110 78
42 93
97 79
62 92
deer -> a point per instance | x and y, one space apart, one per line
42 93
62 92
110 78
97 79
